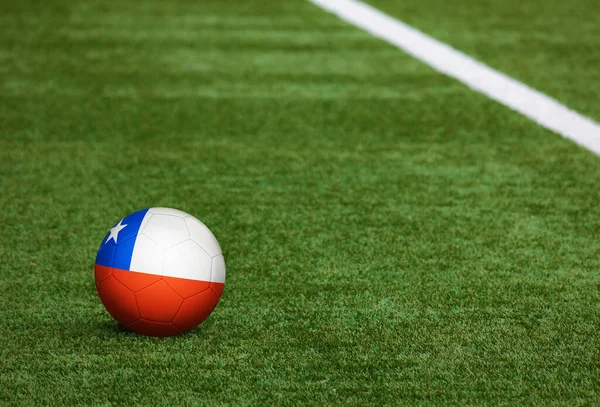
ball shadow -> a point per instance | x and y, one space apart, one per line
111 328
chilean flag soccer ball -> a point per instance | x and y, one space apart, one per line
160 272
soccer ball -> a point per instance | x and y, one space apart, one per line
160 272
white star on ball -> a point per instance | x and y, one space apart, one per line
114 232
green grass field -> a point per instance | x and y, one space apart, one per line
391 237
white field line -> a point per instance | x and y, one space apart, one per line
531 103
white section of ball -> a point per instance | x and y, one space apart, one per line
188 260
173 243
147 256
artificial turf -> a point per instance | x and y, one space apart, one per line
551 45
390 236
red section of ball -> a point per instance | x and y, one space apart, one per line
186 288
102 273
135 281
118 300
153 328
195 310
217 288
158 302
154 305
